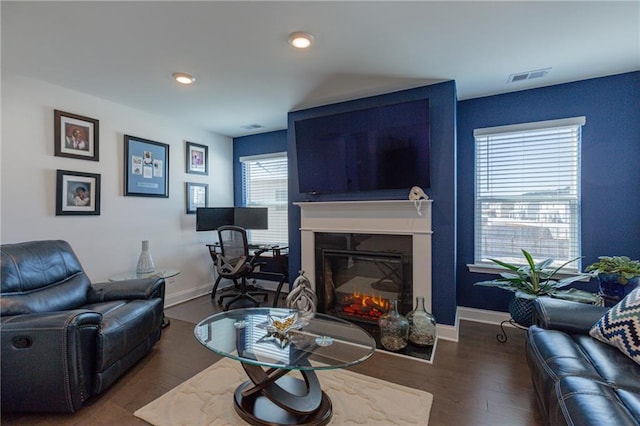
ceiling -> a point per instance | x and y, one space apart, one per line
246 72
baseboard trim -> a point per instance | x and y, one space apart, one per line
443 331
447 332
186 295
481 315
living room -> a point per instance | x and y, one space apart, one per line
109 243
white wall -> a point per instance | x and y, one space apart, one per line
109 243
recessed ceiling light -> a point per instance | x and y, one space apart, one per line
183 78
252 126
300 39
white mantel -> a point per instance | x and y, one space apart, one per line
396 217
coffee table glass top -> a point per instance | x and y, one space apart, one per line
323 342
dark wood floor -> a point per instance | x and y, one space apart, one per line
476 381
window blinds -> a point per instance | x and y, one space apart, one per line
527 193
264 184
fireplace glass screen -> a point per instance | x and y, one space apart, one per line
358 285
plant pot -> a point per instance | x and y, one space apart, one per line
521 311
611 288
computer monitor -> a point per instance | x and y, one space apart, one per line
251 217
211 218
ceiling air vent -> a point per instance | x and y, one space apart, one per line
252 126
514 78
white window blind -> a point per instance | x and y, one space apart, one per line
264 184
527 193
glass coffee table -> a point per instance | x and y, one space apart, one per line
255 338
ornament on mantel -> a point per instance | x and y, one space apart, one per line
417 195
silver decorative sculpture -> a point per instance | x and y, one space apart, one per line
302 297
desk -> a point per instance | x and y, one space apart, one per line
276 252
271 396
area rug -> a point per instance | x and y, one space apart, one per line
207 399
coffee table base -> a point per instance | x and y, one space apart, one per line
257 409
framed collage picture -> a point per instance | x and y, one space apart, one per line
77 193
146 168
75 136
197 196
197 158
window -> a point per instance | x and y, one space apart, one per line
527 192
264 184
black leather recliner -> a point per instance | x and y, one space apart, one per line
63 339
579 380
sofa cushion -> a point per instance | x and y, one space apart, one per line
631 400
585 402
612 365
620 326
125 324
41 276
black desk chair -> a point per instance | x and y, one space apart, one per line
235 263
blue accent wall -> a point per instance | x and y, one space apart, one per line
610 179
442 109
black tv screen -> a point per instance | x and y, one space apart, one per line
385 147
212 218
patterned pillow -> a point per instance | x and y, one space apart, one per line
620 326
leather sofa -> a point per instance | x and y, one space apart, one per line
577 379
63 339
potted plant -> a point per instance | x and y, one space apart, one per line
617 276
532 280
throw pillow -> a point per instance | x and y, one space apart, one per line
620 326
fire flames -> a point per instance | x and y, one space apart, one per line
365 306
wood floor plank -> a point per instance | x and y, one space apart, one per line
476 381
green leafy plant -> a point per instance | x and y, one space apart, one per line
621 265
537 279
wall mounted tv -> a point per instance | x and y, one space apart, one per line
384 147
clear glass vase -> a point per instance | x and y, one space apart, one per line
394 328
145 264
422 325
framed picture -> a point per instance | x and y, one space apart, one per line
197 196
197 159
77 193
75 136
146 168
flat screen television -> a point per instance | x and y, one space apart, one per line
384 147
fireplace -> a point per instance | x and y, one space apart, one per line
358 286
361 254
357 275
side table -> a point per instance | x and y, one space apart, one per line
160 273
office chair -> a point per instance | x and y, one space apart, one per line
234 263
